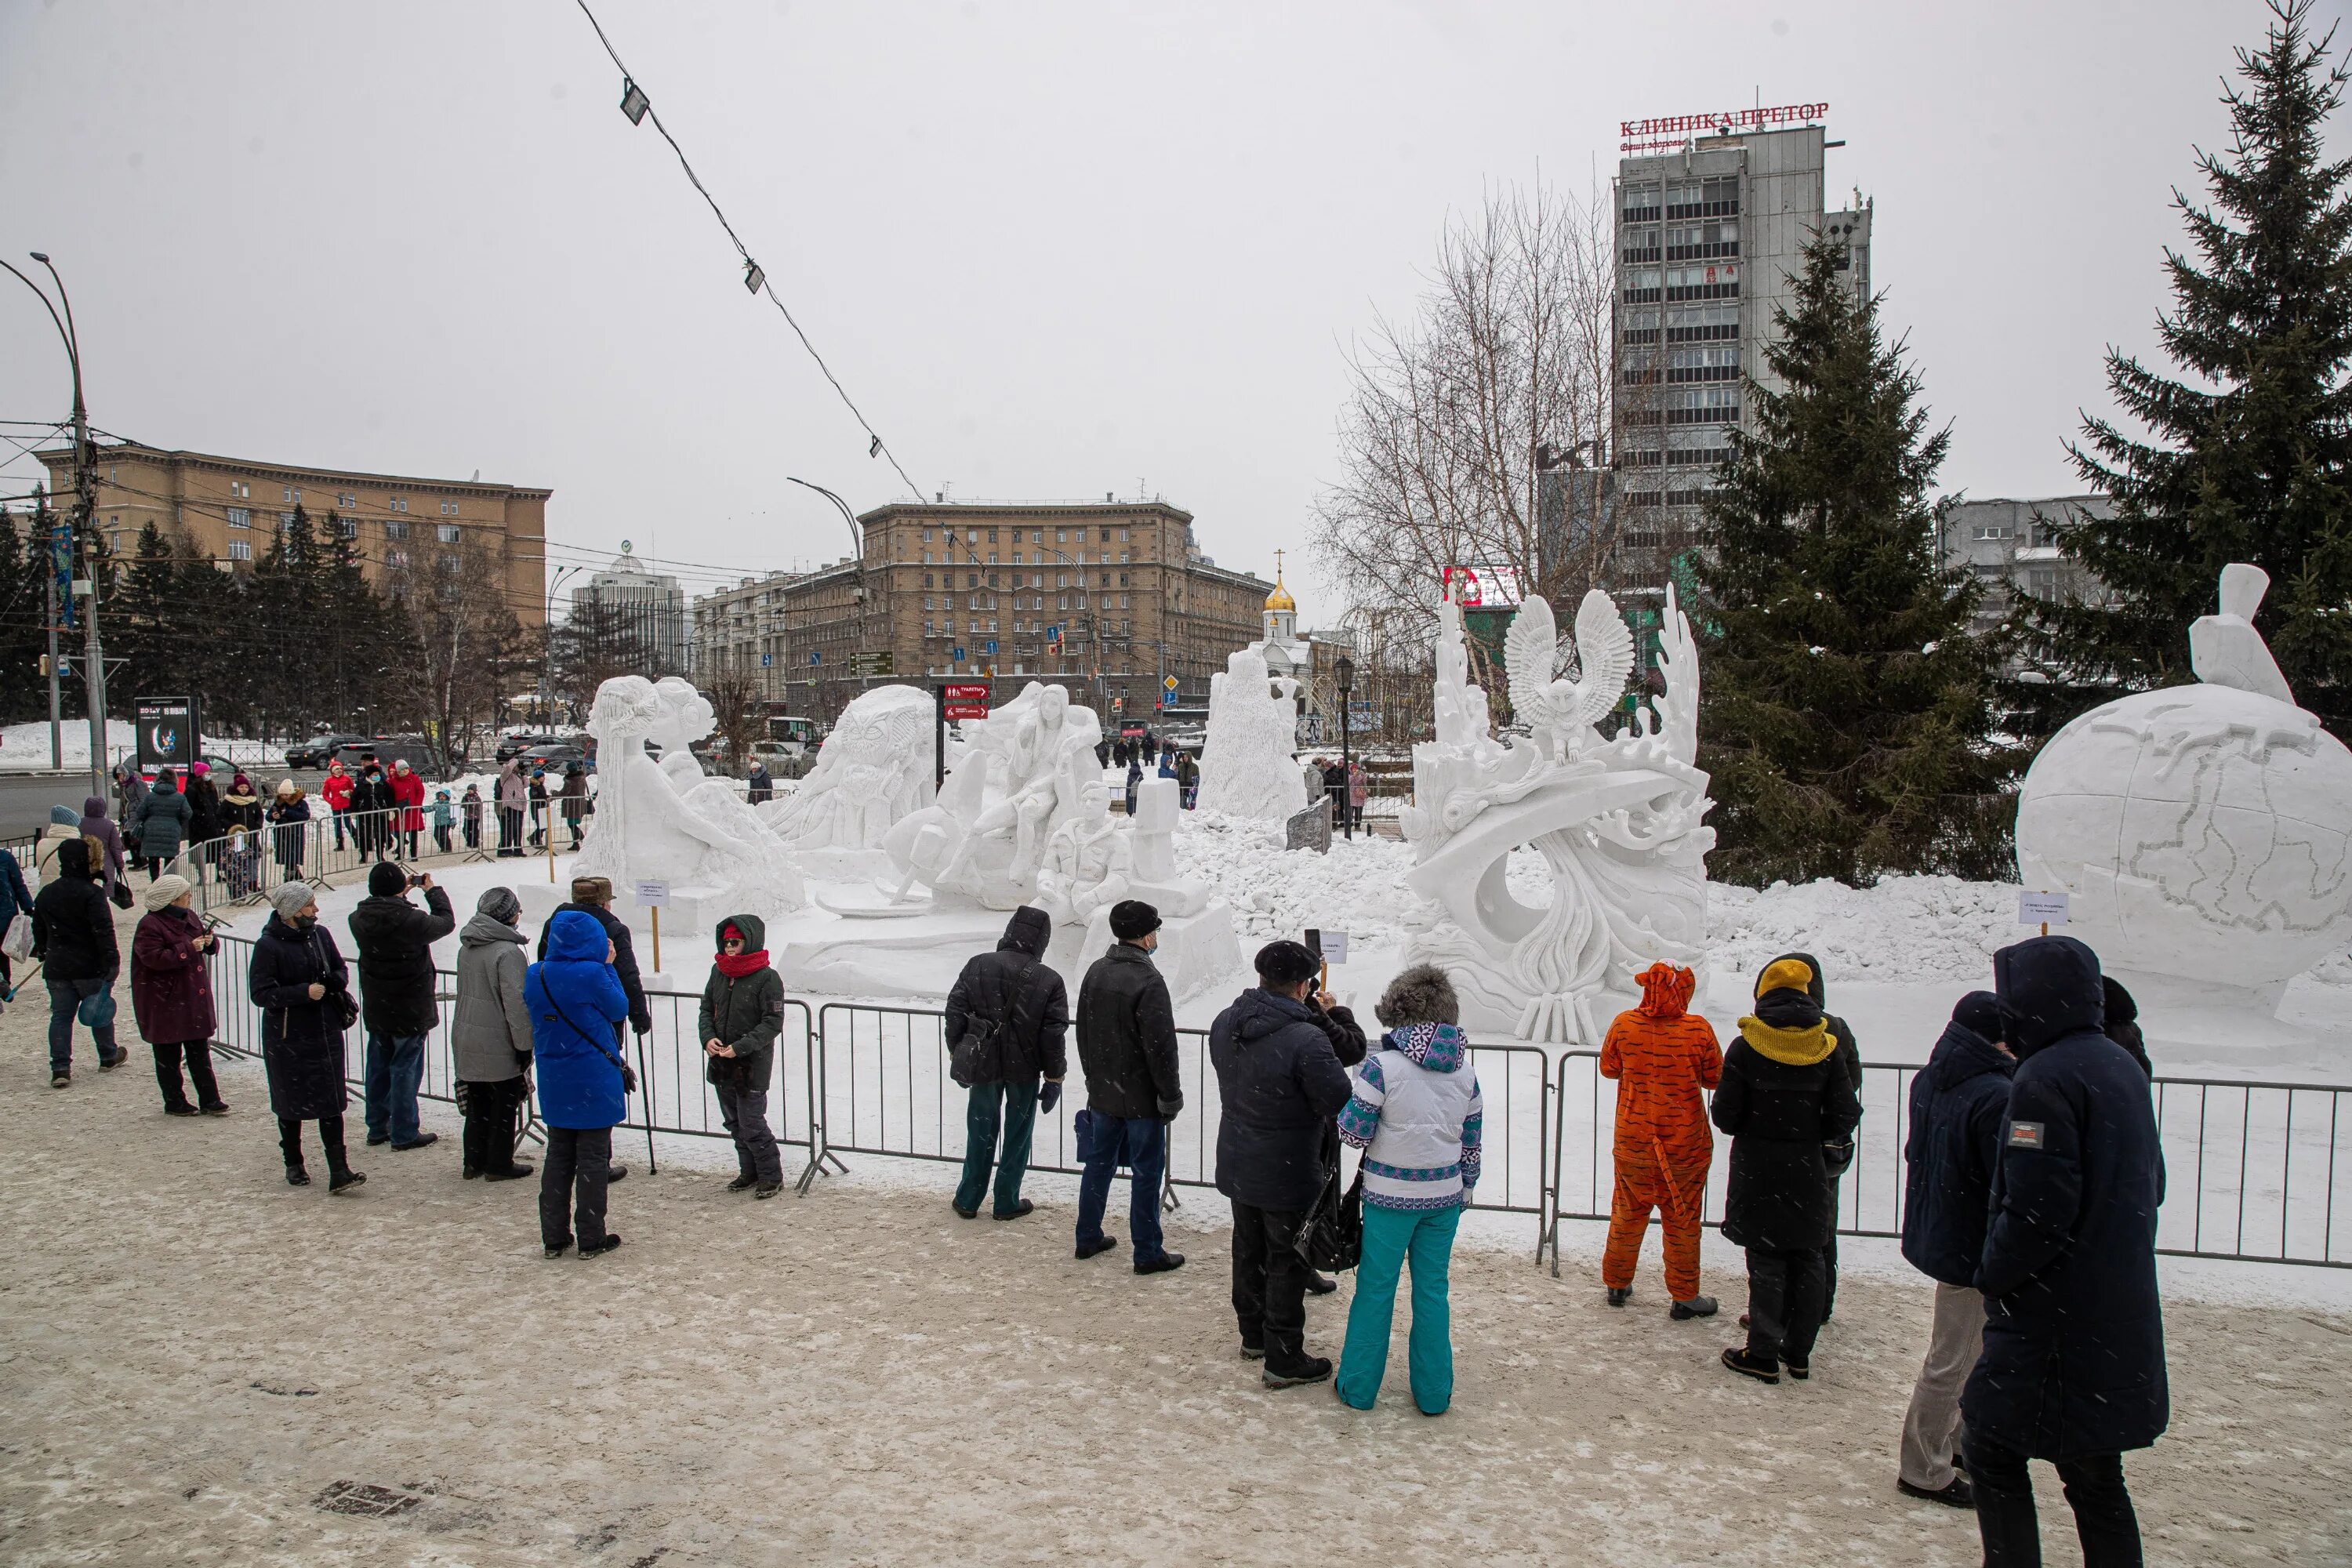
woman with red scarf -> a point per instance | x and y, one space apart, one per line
743 1012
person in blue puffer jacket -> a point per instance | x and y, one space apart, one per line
1417 1115
576 1007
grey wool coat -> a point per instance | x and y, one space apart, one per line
489 1032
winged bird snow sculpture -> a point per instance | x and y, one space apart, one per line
1560 714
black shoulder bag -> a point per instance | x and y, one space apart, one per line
1333 1235
628 1076
968 1060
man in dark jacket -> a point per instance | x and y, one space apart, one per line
1017 1011
1281 1081
394 939
2073 1369
1791 1110
1957 1103
372 806
1127 1043
73 942
593 896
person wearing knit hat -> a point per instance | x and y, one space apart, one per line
1790 1109
290 898
396 996
489 1037
172 996
1135 1085
74 942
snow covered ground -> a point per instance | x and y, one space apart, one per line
24 748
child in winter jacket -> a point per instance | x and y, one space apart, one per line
1417 1115
743 1012
444 819
1661 1055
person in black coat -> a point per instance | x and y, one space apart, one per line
73 942
1282 1079
300 983
593 896
1135 1087
2073 1369
1848 1056
1014 1010
1957 1103
395 940
370 812
1791 1110
2122 1023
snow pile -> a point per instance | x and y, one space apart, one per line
1906 928
1358 887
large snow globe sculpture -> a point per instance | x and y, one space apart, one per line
1248 767
2201 832
1617 823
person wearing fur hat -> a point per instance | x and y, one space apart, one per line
489 1036
1790 1109
299 979
395 940
1135 1085
172 996
1281 1079
73 941
1662 1054
1417 1114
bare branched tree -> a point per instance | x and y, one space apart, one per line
472 645
1508 363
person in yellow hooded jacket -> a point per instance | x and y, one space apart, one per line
1789 1107
1662 1054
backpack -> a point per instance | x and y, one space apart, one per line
971 1057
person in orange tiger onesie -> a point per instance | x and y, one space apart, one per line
1661 1056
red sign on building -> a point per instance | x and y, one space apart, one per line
964 701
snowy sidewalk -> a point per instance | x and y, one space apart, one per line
200 1366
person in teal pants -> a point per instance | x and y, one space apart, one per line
1417 1115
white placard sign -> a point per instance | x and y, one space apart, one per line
2041 908
653 895
1335 947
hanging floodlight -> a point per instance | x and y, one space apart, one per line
634 102
753 279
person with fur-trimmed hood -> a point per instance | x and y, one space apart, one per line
1418 1116
1662 1054
1789 1108
742 1015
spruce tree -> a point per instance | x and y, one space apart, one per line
2248 456
1847 708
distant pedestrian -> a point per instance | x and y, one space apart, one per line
407 786
1662 1054
1789 1111
204 812
1335 785
1360 790
576 1006
73 942
2073 1369
397 981
1134 781
1188 778
489 1037
1420 1119
171 997
290 826
1958 1102
97 826
129 789
2122 1023
373 813
758 787
16 899
1012 1007
513 798
335 789
64 828
470 809
743 1012
240 854
1281 1080
576 801
444 820
1135 1085
537 803
300 983
160 824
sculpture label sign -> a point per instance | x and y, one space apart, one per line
653 895
2041 908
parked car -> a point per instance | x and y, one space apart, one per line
414 749
555 756
320 749
521 741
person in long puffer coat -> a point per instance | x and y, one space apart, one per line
489 1036
160 823
2073 1369
171 997
1791 1111
1662 1054
576 1006
303 988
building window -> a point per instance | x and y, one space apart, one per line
1641 285
395 503
1640 245
347 499
1641 204
1694 242
396 530
448 508
1704 364
448 562
396 559
1106 536
1990 530
348 527
285 522
1703 323
1720 281
240 550
448 532
240 517
239 489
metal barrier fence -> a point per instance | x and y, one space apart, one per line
2252 1169
243 867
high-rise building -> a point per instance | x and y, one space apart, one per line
645 606
1714 214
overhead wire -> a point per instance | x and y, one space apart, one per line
751 267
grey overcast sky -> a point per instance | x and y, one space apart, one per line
1053 249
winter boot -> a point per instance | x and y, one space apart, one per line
1763 1369
344 1181
1620 1294
60 1080
612 1240
1087 1249
1697 1307
1164 1263
295 1176
1312 1369
1800 1370
1957 1493
1320 1284
744 1184
767 1189
515 1172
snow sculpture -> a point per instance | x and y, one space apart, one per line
1247 765
1617 823
2200 831
873 770
1022 773
664 821
1087 860
1198 947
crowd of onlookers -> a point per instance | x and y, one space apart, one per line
2033 1170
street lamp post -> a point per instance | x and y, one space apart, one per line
547 649
85 504
1344 673
857 545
